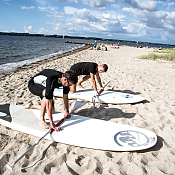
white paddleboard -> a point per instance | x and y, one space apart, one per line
79 131
111 97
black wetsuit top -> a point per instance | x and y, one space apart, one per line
85 68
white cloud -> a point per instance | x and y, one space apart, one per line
42 8
156 19
170 20
85 15
42 30
108 16
7 2
70 10
149 24
71 1
115 6
149 5
27 29
27 8
98 4
51 11
52 8
151 19
30 27
171 4
171 16
84 22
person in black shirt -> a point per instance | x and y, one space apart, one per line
89 69
43 85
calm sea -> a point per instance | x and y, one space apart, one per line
16 51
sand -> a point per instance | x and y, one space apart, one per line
153 80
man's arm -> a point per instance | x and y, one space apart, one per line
99 80
94 83
49 111
66 104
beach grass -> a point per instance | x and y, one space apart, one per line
166 54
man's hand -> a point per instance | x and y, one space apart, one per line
101 89
97 94
56 128
67 115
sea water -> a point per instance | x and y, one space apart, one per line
16 51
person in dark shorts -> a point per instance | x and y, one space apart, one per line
95 44
89 69
43 85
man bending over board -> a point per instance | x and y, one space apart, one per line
43 85
89 69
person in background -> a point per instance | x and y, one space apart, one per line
95 44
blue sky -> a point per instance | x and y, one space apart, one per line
142 20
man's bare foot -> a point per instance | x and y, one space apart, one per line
79 85
28 106
44 125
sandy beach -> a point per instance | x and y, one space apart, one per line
153 80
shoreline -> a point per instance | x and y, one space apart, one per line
45 60
153 80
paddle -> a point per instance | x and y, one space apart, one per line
101 90
78 104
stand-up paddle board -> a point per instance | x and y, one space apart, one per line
105 96
79 131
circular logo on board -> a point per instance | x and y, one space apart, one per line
131 138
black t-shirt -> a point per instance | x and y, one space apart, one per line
85 68
50 79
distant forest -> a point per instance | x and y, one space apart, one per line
76 37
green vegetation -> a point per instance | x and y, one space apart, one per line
166 54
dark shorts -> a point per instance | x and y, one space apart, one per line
37 89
